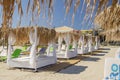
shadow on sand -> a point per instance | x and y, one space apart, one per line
98 54
104 48
100 51
74 70
90 59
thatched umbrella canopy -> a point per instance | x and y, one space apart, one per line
4 33
62 31
109 18
86 31
109 21
21 34
111 35
76 34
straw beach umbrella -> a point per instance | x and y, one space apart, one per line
109 18
109 21
111 35
45 35
62 31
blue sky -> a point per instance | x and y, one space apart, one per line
59 18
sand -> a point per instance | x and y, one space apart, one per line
90 68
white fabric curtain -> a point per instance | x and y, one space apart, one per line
79 43
34 43
75 45
82 40
60 39
67 41
54 50
96 40
82 43
31 37
90 43
48 49
11 41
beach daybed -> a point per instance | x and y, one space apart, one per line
82 49
33 60
68 49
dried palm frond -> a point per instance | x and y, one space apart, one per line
68 5
112 35
109 19
8 9
45 35
82 6
19 7
28 6
101 3
76 5
75 9
75 37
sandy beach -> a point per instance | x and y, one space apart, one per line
90 68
